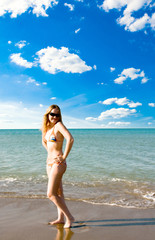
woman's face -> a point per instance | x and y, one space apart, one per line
54 115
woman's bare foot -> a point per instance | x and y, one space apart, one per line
56 222
69 222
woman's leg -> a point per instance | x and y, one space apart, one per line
54 183
60 213
60 218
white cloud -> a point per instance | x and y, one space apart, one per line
111 4
121 102
55 60
134 105
131 7
144 80
41 105
91 119
108 101
139 23
16 7
53 98
76 31
21 44
44 83
118 101
17 59
152 21
70 6
119 123
115 113
120 79
9 42
95 67
112 69
33 81
151 104
131 73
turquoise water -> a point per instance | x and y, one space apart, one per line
114 167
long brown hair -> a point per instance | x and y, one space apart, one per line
46 122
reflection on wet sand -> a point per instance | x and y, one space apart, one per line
60 233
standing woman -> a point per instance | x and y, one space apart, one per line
53 134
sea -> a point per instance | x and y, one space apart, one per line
105 166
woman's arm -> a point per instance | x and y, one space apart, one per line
69 139
44 142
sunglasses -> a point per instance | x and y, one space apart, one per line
54 114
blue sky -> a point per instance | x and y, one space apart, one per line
95 59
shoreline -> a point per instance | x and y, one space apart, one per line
76 200
83 128
28 219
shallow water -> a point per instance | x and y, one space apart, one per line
114 167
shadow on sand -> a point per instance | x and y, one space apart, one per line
115 222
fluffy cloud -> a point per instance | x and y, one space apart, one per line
70 6
131 7
121 102
118 101
21 44
151 104
17 59
138 24
16 7
55 60
131 73
115 113
133 105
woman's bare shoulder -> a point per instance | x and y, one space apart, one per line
60 126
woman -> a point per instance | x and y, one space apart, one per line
53 134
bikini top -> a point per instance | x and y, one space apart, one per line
51 137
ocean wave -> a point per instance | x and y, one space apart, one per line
118 203
114 191
16 195
10 179
124 202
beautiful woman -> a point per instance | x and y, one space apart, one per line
53 134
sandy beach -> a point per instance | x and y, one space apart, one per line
28 219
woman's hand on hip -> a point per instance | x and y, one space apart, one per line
59 159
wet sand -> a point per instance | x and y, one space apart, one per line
27 219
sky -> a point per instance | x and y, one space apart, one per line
95 59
